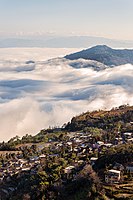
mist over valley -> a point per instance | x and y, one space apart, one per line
38 91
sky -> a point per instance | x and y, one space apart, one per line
106 18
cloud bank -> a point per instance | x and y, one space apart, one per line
43 93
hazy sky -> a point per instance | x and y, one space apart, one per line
107 18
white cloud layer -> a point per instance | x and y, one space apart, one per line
37 94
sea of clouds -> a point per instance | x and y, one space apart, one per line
49 92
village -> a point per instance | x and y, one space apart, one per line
76 149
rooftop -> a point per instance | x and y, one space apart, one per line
114 171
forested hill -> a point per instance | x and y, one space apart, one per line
113 120
105 55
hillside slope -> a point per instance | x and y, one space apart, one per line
106 120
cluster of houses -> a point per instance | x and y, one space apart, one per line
17 165
80 143
124 138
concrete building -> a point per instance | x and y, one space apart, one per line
113 176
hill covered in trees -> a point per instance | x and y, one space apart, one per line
114 120
105 55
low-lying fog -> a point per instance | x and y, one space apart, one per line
43 93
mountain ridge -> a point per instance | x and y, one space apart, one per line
61 41
105 55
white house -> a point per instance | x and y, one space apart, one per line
113 176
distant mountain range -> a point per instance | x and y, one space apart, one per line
62 42
105 55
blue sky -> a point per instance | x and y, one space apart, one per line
107 18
